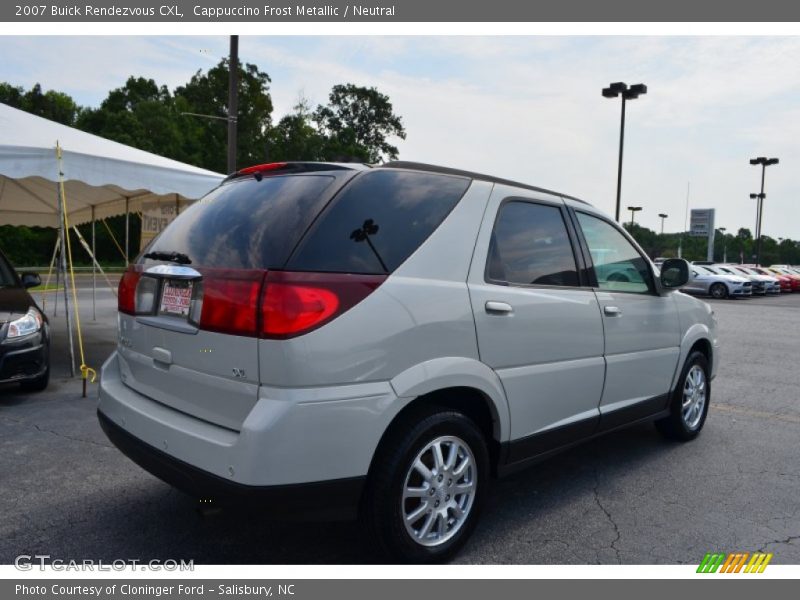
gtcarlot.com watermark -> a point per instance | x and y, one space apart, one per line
42 562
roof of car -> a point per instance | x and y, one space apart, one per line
415 166
305 166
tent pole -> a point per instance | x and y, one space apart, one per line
57 258
94 273
127 232
63 266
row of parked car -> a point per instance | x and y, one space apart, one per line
732 280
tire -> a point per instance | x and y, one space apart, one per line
688 413
718 291
39 384
385 506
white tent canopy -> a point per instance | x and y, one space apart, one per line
99 174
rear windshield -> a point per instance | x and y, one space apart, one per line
247 224
378 221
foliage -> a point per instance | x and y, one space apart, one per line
739 248
357 123
52 105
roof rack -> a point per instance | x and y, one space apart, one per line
402 164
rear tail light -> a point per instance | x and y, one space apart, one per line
228 301
296 303
146 295
126 293
255 303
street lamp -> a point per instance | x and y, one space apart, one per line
662 216
724 244
764 162
627 93
758 197
634 210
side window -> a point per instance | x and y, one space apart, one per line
378 221
617 264
530 246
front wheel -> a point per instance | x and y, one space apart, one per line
426 486
690 400
719 291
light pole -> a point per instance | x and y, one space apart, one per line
724 244
634 210
759 198
764 162
627 93
662 216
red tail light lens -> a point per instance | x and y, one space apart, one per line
296 303
126 293
230 301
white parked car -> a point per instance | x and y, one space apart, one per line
707 280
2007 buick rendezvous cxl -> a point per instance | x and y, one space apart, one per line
341 340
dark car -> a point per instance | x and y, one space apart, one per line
24 331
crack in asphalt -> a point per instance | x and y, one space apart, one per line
55 433
608 516
787 541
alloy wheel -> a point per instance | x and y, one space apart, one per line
439 491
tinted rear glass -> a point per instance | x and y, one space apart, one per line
530 246
247 224
378 221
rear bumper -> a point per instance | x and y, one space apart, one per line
303 442
337 499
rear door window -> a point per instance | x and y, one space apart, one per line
247 224
530 246
378 221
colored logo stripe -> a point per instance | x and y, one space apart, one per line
734 562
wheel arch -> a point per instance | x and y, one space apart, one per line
697 338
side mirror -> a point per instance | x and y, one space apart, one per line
30 280
674 273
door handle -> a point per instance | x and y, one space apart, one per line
492 306
612 311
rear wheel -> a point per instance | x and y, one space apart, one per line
719 291
689 404
426 487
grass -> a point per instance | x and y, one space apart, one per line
51 287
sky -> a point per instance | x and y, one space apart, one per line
527 108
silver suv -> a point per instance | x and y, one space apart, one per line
340 340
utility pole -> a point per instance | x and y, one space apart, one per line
233 102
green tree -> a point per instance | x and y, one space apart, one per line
52 105
144 115
357 122
294 137
207 94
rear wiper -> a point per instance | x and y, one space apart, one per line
175 257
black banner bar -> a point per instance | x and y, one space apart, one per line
220 11
703 586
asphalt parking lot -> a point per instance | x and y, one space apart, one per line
630 498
